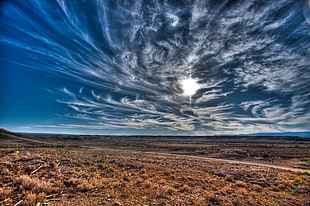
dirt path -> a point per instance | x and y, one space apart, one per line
208 158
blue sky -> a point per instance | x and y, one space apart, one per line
126 67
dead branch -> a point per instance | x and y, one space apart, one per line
7 199
52 196
19 202
34 171
56 200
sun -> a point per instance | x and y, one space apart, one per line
189 86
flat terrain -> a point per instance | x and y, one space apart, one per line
110 170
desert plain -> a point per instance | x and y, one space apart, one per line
153 170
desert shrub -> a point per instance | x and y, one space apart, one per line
85 186
4 192
72 182
98 182
242 191
142 171
212 199
282 186
147 184
160 194
229 178
265 155
145 176
185 188
240 184
257 188
30 198
169 190
89 184
33 184
5 171
127 192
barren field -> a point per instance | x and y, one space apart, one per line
105 170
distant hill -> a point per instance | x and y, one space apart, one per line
6 132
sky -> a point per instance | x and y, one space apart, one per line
191 67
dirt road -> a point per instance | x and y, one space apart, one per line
235 162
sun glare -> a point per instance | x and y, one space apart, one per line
189 86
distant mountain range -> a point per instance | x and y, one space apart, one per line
283 134
296 134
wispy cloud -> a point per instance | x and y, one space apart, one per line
127 61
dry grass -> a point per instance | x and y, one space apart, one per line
89 177
36 173
32 184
